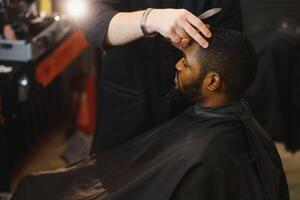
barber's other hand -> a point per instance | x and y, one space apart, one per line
178 25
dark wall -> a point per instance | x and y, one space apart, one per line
269 14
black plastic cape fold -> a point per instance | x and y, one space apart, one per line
200 154
261 151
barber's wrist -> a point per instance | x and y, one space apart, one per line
151 23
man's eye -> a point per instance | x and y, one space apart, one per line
184 63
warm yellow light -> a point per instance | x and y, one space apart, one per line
76 8
57 18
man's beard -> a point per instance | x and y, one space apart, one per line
193 91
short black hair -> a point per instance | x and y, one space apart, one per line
231 55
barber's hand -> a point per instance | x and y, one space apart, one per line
179 25
184 42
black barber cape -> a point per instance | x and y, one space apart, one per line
205 154
135 78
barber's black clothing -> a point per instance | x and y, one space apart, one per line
136 77
205 153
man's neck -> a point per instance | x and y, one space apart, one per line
216 101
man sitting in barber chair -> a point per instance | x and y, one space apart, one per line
215 150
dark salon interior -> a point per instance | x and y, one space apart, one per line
122 99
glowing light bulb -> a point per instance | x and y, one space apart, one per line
24 82
76 8
57 18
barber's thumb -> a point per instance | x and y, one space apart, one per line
185 42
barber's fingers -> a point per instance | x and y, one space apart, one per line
181 33
177 45
185 42
184 38
194 34
182 44
198 24
174 37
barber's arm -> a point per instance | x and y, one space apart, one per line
95 24
175 24
109 27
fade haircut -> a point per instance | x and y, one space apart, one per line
231 55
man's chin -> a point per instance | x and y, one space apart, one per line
190 94
178 92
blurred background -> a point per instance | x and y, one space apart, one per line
49 74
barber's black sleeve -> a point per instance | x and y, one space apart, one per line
99 15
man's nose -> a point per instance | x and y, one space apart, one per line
178 65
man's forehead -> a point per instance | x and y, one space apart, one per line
190 50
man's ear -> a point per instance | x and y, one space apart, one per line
214 81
